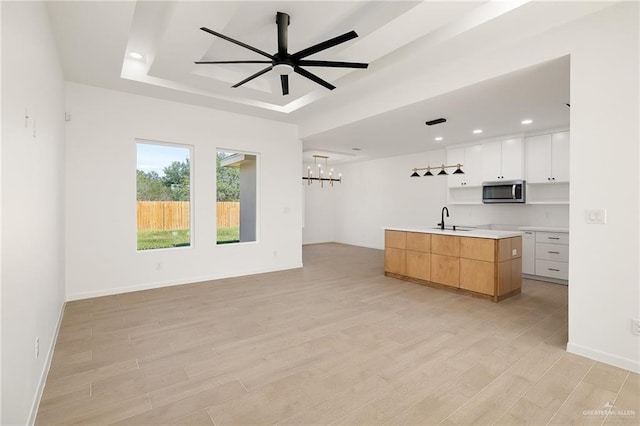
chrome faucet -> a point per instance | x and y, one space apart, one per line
442 217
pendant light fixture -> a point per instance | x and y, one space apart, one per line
442 172
321 173
442 167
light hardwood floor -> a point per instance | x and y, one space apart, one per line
336 342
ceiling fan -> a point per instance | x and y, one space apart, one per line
283 62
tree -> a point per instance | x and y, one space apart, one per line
150 187
228 180
177 177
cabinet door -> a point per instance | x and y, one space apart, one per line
395 261
472 165
538 150
419 265
477 275
491 161
529 253
560 157
456 156
445 270
512 159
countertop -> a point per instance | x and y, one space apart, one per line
473 233
544 229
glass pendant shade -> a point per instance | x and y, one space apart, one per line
458 171
428 173
415 174
442 172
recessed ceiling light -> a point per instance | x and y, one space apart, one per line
527 121
356 149
135 55
439 138
476 131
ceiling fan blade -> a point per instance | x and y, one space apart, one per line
333 64
313 78
239 43
282 20
258 74
233 62
284 79
325 45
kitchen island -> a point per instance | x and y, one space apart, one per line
479 262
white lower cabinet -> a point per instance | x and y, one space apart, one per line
529 252
552 255
552 269
545 254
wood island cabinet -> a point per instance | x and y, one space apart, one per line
395 252
484 267
419 255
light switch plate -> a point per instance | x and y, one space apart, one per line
596 217
514 252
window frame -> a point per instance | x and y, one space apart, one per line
191 149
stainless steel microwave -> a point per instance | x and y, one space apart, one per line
508 191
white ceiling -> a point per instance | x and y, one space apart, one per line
94 39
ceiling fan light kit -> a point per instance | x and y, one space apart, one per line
285 63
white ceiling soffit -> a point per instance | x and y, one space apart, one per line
497 106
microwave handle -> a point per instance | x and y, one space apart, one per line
513 191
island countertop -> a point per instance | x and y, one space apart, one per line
465 232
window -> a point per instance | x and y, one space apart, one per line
163 175
236 177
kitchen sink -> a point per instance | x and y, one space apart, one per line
450 228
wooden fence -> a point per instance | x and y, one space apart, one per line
173 215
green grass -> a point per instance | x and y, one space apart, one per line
149 240
228 235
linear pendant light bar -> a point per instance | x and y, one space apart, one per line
442 172
321 178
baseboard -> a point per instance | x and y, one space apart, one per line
45 371
545 279
605 357
169 283
371 246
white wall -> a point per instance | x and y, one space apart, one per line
101 193
320 214
604 293
379 193
32 205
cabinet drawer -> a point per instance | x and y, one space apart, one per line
552 269
548 251
445 245
552 237
395 239
419 242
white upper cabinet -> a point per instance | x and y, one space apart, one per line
548 158
502 160
471 159
560 157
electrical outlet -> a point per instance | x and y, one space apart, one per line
635 327
37 347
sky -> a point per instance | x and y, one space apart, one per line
154 157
